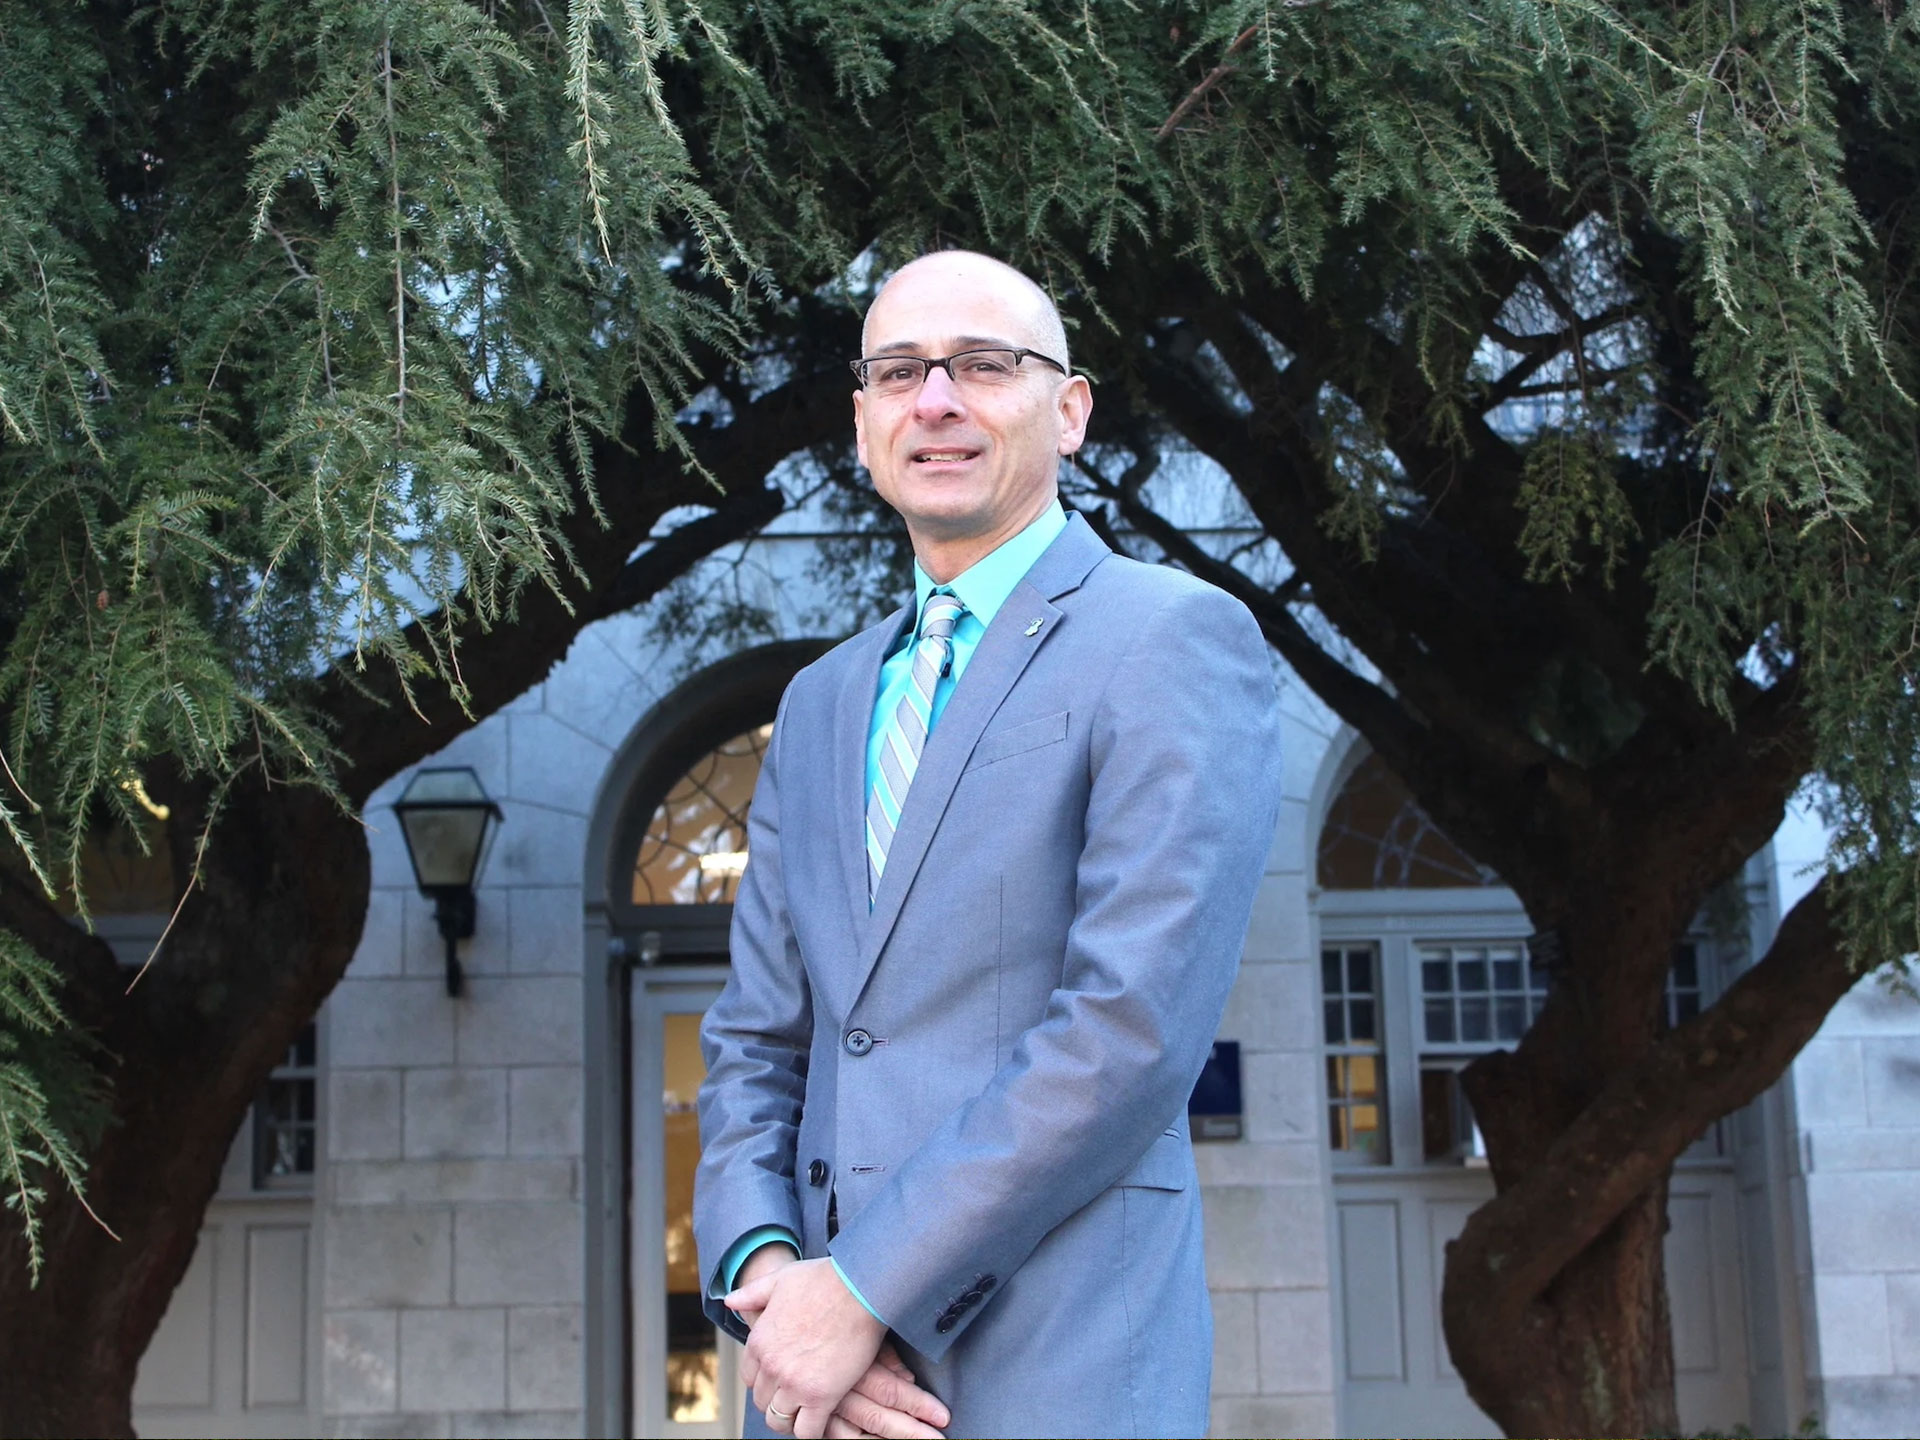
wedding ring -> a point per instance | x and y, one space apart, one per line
773 1414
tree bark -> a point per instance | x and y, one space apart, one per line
261 942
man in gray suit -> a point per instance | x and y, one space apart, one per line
1004 849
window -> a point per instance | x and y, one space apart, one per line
285 1131
1356 1088
1472 997
695 846
1416 986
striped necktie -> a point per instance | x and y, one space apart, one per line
906 733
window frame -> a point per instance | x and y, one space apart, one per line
1398 922
711 707
289 1071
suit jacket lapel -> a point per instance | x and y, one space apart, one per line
853 721
1005 650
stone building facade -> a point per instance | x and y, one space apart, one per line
491 1236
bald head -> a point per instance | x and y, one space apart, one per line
968 458
962 272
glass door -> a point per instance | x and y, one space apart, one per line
685 1372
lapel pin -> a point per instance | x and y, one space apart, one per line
1034 628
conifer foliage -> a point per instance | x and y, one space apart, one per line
309 315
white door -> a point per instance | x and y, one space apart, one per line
685 1373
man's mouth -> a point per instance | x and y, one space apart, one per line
947 456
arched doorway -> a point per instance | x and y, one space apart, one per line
1424 965
668 848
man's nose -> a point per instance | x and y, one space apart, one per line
939 396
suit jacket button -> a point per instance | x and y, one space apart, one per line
972 1297
985 1282
858 1042
944 1324
817 1173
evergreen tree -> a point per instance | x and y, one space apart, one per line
339 353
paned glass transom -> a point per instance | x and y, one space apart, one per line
1376 837
695 846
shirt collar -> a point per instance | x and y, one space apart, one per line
983 587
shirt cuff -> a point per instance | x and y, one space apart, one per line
736 1256
854 1290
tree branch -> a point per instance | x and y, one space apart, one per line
742 513
1627 1139
86 959
1212 78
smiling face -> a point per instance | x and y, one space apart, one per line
967 467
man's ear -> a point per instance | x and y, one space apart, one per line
1076 408
860 426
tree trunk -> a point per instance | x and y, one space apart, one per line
1554 1301
186 1050
1595 1356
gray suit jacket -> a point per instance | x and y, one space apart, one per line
983 1081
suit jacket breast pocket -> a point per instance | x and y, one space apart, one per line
1018 739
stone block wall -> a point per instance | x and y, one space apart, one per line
1267 1196
1857 1093
451 1216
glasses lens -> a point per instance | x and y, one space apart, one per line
985 367
894 374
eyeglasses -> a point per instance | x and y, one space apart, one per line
981 369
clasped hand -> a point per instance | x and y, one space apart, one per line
817 1356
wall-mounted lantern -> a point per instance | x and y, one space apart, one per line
448 822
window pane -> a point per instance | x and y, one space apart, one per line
1506 975
1360 972
1440 1021
1330 972
1510 1016
1438 1137
1473 974
1336 1023
1366 1127
1363 1077
1436 977
1360 1019
1476 1023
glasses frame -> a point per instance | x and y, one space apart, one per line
945 362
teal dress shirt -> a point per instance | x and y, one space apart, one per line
983 587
